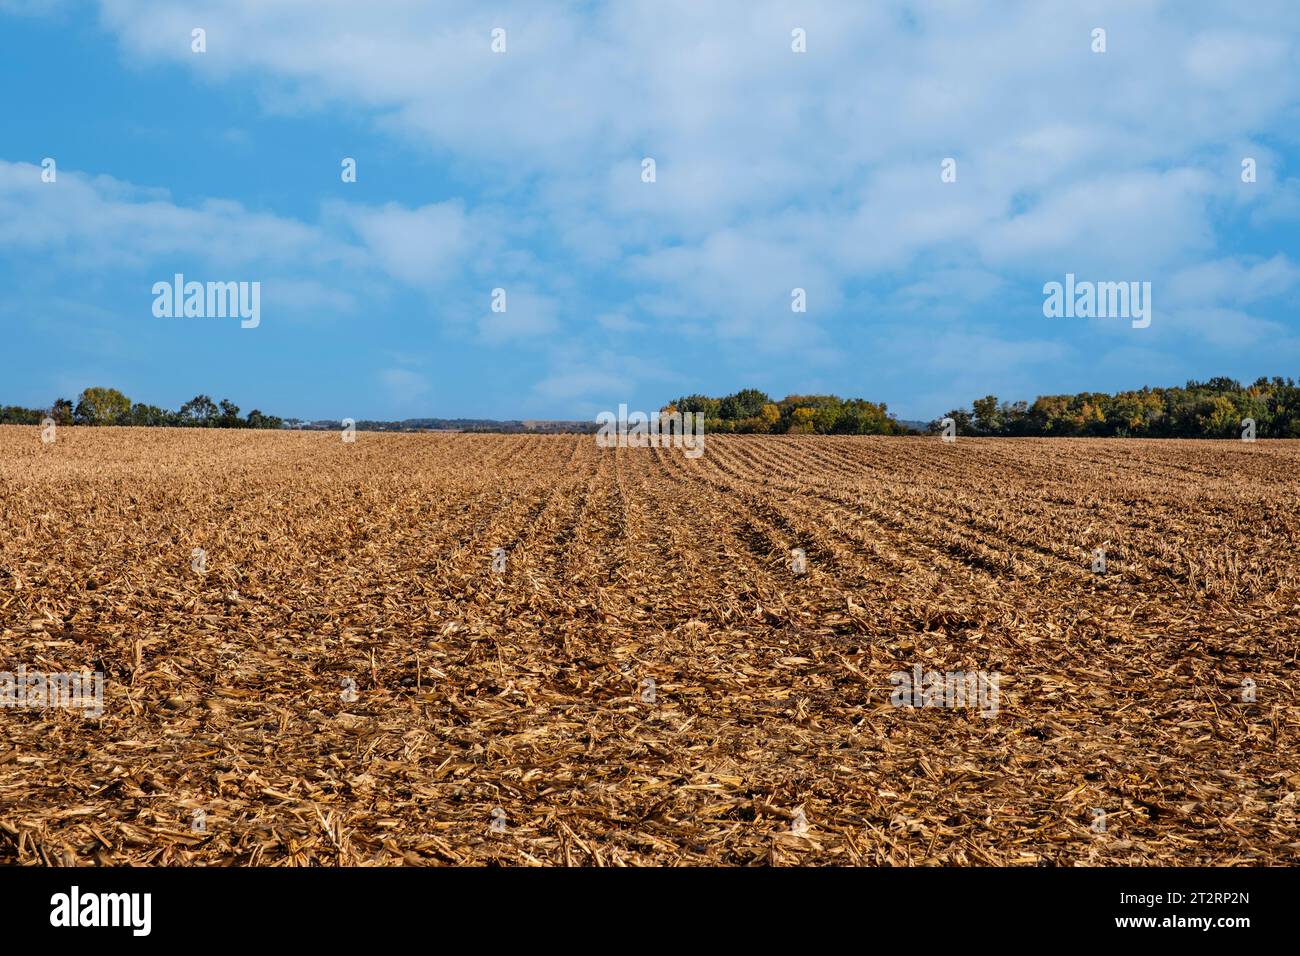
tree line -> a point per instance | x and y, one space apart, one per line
1217 408
751 411
108 406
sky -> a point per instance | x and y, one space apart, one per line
523 170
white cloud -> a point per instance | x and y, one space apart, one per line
775 170
1227 328
101 226
1234 279
1224 59
102 223
1124 226
528 315
418 246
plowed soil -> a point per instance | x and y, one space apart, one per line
350 681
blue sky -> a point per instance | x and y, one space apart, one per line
522 170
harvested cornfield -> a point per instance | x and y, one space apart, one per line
314 652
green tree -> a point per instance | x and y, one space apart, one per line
698 404
199 410
17 415
1217 417
229 417
986 415
257 420
747 403
961 418
101 406
148 415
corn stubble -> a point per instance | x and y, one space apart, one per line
500 717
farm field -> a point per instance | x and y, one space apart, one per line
349 679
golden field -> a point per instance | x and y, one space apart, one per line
350 681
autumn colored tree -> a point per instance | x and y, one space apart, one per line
1213 409
101 406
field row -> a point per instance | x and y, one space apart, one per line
352 653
